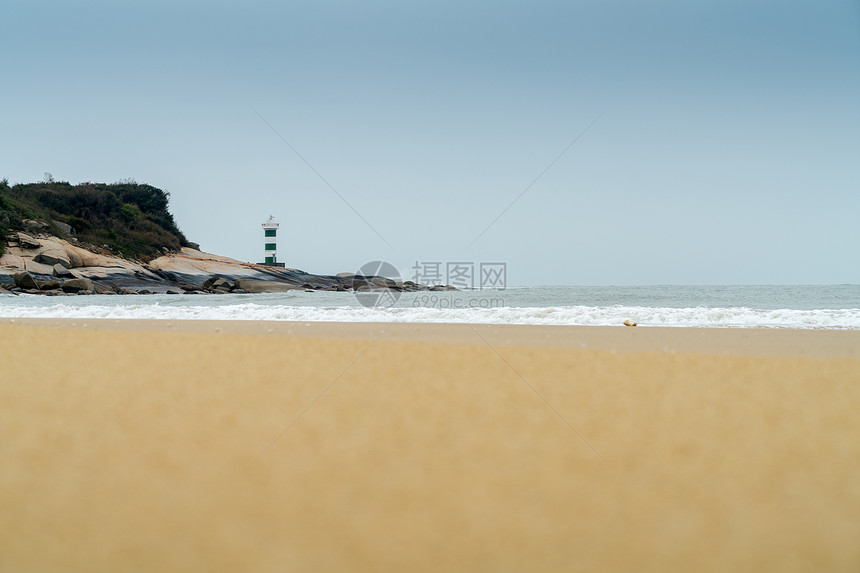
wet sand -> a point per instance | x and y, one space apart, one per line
261 446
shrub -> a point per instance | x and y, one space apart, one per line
130 213
128 217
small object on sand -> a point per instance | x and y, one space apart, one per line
629 323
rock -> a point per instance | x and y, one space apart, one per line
28 242
77 285
25 280
220 283
383 282
75 257
62 272
99 289
217 282
194 246
64 227
48 285
345 275
53 257
35 226
629 323
249 285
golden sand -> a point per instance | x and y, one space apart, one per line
216 446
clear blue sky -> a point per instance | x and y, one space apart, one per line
729 150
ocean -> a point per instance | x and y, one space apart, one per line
772 306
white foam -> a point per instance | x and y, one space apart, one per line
564 315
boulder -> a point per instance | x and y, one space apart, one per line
383 282
64 227
53 257
25 280
629 323
35 226
217 282
62 272
77 285
99 289
220 283
28 242
48 285
74 257
249 285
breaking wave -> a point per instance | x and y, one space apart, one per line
734 317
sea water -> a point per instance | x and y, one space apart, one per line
778 306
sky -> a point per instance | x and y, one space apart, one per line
581 143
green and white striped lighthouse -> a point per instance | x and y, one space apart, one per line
270 236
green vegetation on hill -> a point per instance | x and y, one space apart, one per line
130 219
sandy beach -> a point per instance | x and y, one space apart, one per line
266 446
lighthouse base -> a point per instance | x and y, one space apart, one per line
280 265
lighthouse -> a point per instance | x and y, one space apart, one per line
270 237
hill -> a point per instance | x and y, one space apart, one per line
129 219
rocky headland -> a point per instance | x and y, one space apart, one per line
39 263
120 238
